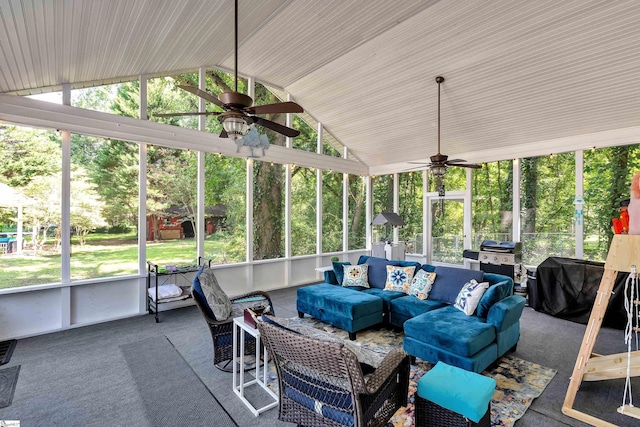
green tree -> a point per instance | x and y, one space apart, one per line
28 154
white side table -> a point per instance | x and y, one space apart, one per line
238 365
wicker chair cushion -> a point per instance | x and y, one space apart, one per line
218 301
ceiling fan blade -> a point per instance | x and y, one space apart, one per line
456 161
286 131
224 134
202 94
205 113
280 107
419 163
468 165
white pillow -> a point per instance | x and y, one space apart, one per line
421 284
356 275
469 296
399 278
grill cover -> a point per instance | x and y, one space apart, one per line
567 288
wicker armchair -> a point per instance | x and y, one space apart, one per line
321 383
222 330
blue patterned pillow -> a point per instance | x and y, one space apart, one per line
469 296
356 275
399 278
421 284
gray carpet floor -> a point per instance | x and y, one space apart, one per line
80 377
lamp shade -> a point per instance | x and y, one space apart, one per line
235 126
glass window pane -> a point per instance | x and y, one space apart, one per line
171 205
268 210
382 202
547 193
225 209
103 207
331 211
410 204
492 193
357 212
303 211
31 212
607 178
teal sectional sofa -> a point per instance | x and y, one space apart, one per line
434 329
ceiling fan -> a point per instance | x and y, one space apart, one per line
439 162
239 112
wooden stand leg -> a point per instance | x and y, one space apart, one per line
586 349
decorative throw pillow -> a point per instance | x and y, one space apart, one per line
356 275
421 284
218 301
469 296
338 270
399 278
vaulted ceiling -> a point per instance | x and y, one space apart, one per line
522 77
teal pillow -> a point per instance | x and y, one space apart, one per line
495 293
338 270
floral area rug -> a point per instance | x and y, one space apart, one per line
518 381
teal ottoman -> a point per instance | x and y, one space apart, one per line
348 309
448 396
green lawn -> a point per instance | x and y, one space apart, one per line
103 255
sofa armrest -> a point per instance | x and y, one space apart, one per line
330 277
506 312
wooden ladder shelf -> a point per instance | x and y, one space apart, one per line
623 253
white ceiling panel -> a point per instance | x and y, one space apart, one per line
518 72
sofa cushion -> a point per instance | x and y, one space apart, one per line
338 269
356 275
450 328
450 280
469 296
378 271
495 293
421 284
409 306
399 278
386 296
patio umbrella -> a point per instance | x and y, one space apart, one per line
11 198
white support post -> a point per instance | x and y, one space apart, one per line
345 205
579 204
369 213
249 210
515 225
251 89
426 238
288 169
319 201
142 200
65 214
202 126
396 206
467 214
